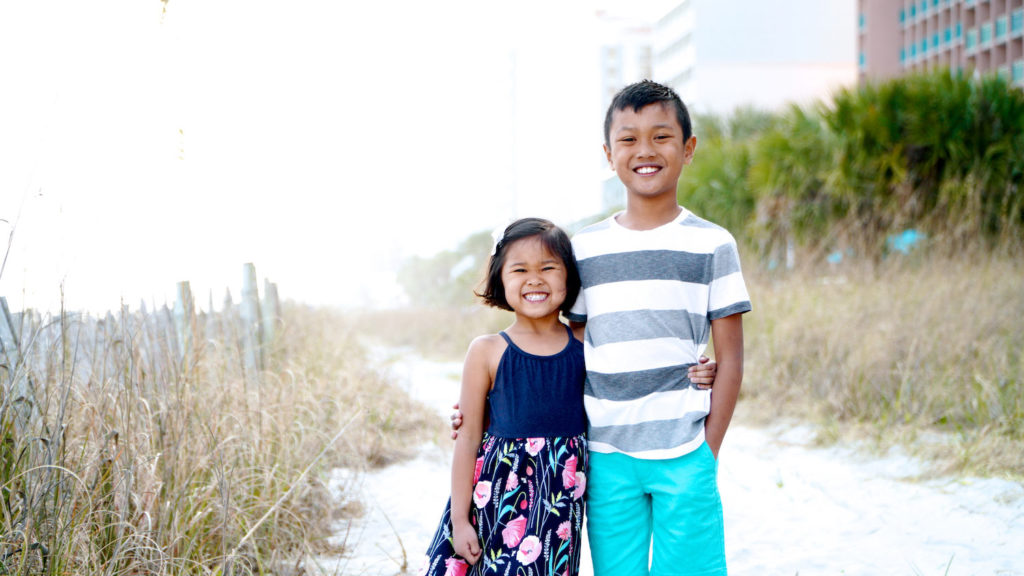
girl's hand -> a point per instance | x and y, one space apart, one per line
466 541
703 373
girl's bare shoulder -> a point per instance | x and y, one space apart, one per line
483 357
487 347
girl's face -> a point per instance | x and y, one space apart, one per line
534 278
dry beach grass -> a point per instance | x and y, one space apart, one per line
922 352
126 457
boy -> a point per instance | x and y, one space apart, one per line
657 281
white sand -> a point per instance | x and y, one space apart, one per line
790 508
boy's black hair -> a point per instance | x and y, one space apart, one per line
642 93
554 239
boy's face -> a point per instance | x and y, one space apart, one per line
647 149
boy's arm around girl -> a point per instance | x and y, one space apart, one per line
702 374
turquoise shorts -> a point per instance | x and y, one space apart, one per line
675 502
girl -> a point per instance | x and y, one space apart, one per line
516 504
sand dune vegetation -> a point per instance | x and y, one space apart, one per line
122 454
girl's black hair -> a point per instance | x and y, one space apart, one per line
554 239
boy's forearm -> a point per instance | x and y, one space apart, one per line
728 336
723 404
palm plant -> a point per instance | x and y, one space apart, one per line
940 150
715 185
788 176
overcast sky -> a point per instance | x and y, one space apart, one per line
323 141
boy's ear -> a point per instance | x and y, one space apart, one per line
608 155
689 149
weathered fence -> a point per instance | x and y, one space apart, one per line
167 340
106 419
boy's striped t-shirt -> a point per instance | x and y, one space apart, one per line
648 299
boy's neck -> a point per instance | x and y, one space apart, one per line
648 213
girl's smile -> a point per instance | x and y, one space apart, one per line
536 296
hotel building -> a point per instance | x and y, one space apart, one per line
897 37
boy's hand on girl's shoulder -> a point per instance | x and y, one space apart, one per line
703 373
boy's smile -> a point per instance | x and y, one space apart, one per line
647 149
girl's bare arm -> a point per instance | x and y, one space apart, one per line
476 382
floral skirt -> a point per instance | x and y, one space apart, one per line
527 509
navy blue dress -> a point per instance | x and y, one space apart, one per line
530 471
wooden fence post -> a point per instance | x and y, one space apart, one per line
250 314
184 321
21 394
271 310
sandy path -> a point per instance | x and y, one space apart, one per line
790 508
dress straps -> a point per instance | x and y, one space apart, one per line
516 346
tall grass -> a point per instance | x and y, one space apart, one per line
121 455
923 351
899 351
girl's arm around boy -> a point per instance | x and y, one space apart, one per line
727 334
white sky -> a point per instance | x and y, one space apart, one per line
322 141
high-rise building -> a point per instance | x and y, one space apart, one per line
625 52
721 54
625 57
896 37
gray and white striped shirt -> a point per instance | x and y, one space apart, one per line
648 299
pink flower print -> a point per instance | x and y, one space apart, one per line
455 567
563 530
513 532
481 493
512 483
581 485
522 504
529 550
479 468
534 445
529 470
569 473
